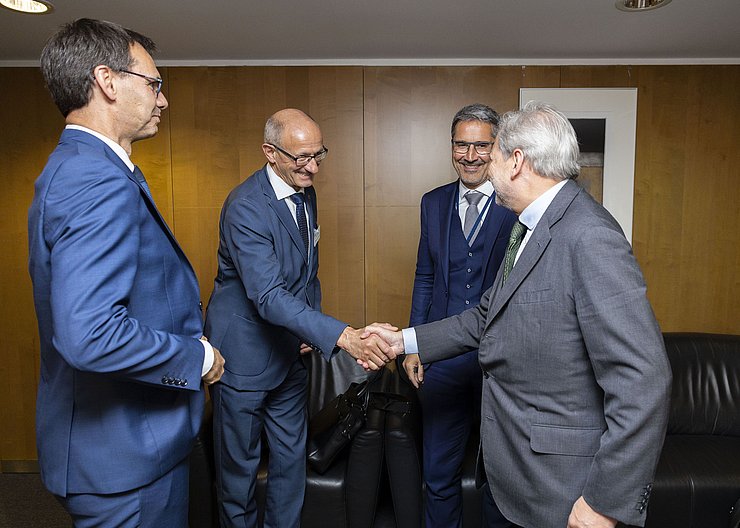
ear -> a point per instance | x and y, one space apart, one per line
269 152
106 81
517 160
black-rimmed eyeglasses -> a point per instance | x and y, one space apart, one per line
483 148
304 159
155 83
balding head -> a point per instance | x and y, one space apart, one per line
284 124
291 134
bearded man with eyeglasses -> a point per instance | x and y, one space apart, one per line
463 240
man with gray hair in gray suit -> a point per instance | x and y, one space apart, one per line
576 379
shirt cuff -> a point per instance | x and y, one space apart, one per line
409 341
207 357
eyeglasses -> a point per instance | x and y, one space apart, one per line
483 148
304 159
155 83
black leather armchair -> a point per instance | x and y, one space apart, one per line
698 477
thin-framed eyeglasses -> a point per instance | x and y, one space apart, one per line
483 148
304 159
155 83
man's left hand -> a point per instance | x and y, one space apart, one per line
583 516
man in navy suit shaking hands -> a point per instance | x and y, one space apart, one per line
120 398
264 311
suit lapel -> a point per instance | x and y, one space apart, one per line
282 212
533 251
447 207
312 225
89 139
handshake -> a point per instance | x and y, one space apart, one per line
372 346
378 344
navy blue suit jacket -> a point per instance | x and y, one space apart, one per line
266 298
119 398
429 300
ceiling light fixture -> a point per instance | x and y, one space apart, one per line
640 5
34 7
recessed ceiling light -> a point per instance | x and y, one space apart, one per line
34 7
640 5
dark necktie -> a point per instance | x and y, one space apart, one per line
471 213
140 176
300 214
515 240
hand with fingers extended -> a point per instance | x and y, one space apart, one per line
372 352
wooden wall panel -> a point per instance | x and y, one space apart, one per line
29 130
408 112
686 195
218 117
687 185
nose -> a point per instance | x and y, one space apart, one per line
162 101
312 166
471 154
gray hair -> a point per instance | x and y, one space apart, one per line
546 138
476 112
70 56
274 130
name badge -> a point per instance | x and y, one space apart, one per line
316 236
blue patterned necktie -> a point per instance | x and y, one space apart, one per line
300 214
515 240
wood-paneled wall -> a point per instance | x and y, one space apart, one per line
387 129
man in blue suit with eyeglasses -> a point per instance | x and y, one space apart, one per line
120 397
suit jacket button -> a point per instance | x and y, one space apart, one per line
164 380
184 383
485 374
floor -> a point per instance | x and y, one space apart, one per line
25 503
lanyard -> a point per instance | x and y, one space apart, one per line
480 215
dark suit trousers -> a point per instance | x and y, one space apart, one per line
450 402
240 417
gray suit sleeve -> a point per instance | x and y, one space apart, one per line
454 335
627 353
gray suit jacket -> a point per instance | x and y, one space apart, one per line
576 378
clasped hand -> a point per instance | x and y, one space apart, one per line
370 349
373 346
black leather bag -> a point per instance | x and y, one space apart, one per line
332 428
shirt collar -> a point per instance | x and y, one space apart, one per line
485 188
531 216
115 147
282 189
